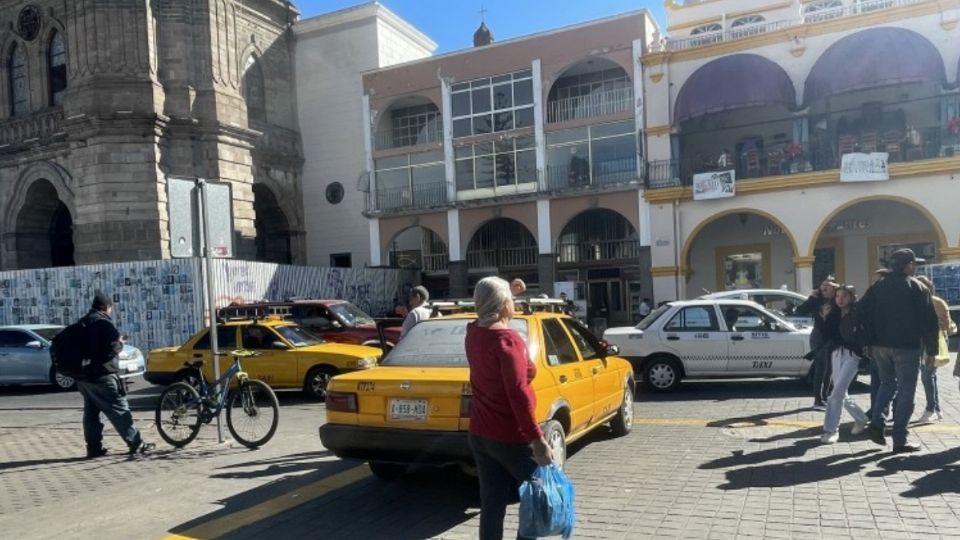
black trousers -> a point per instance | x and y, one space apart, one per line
822 373
502 467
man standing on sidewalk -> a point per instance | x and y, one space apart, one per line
102 389
900 326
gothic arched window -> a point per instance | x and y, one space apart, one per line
253 90
17 72
57 65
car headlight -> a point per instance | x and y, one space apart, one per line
124 355
365 363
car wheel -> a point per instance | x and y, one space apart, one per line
557 441
622 423
316 381
662 374
61 381
387 471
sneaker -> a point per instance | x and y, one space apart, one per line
819 406
94 454
830 438
926 417
144 448
858 428
876 435
907 447
939 415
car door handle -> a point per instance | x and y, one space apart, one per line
673 338
736 338
596 370
563 379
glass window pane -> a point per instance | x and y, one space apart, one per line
503 121
426 157
461 103
460 86
523 118
566 135
526 166
429 174
462 127
558 346
524 142
503 147
617 128
483 148
465 151
482 124
582 339
502 97
523 92
523 74
485 172
743 271
506 170
614 156
390 163
502 78
464 171
481 100
480 83
393 179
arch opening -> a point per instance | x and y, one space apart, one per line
44 229
273 228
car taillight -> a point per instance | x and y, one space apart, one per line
466 403
341 402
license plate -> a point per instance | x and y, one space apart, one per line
133 368
408 409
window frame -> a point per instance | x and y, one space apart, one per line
17 73
682 312
490 84
54 69
577 330
256 109
206 337
515 152
548 340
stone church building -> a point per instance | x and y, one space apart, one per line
102 100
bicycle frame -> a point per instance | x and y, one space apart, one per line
235 370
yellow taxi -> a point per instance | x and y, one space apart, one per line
288 356
415 406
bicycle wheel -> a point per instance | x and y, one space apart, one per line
178 414
253 413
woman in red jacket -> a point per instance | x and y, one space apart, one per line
506 440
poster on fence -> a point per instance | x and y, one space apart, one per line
860 167
714 185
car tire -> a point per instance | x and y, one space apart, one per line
387 471
622 423
557 441
662 374
316 381
62 382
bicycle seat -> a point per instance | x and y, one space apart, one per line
195 364
244 353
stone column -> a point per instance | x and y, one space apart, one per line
803 274
459 285
547 272
665 280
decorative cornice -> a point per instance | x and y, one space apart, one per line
950 254
656 131
803 262
664 271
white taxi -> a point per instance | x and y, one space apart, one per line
712 338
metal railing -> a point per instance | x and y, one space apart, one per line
42 125
616 100
603 173
662 173
435 262
411 198
398 138
415 259
600 250
855 8
502 258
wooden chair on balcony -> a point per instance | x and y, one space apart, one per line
869 142
893 145
845 145
775 163
752 162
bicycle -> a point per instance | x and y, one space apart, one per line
253 405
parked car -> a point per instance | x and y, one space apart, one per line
290 357
25 357
712 338
333 320
782 302
415 406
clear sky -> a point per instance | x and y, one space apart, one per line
451 23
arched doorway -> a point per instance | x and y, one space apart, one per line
502 247
44 235
855 240
420 248
740 249
273 229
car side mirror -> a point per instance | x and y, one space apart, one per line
613 350
34 345
278 345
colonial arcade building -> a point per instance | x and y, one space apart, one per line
773 96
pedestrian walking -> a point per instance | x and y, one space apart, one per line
900 326
506 441
102 388
845 346
819 305
928 372
418 309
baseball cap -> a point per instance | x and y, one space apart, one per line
904 256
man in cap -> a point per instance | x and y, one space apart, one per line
102 389
900 329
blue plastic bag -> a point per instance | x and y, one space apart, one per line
546 504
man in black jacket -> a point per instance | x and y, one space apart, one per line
900 326
102 389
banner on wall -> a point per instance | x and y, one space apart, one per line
860 167
714 185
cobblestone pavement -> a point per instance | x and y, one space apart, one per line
717 459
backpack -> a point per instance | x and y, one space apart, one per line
69 351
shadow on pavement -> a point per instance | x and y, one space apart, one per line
35 462
729 389
293 463
739 457
794 473
754 420
942 479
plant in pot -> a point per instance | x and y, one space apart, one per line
794 154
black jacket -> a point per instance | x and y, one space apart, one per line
811 308
103 345
841 331
897 312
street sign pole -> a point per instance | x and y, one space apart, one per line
204 220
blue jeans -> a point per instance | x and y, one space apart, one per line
502 467
875 390
899 369
928 376
102 395
845 365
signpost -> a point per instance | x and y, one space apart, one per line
200 214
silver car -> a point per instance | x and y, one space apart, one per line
25 357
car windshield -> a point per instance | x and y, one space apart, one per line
351 314
48 333
652 317
438 343
298 336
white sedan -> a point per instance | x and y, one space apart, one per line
712 338
780 301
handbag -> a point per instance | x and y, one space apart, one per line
943 351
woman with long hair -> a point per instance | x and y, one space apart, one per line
840 333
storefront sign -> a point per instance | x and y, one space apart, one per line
772 230
714 185
849 225
859 167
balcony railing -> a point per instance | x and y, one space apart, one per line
603 173
502 258
41 125
419 196
595 104
398 138
600 250
414 259
731 34
435 262
663 173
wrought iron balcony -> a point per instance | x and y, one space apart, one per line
600 250
595 104
416 197
502 258
603 173
398 138
415 259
